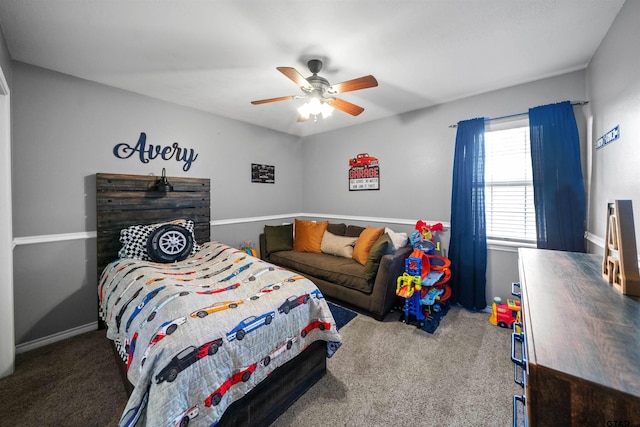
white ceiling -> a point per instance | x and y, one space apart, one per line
219 55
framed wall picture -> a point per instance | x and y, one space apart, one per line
364 173
265 174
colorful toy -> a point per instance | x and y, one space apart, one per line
407 285
441 265
427 232
431 296
413 306
413 265
504 315
417 263
423 283
418 242
247 247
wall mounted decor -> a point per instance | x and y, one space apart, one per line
608 137
148 152
364 173
162 184
265 174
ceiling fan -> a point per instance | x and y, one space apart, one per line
320 92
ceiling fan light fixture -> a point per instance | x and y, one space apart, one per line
319 92
303 110
314 107
326 110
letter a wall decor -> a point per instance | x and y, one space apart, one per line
620 260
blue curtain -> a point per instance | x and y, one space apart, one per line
558 189
468 244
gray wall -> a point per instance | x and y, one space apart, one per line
65 129
614 91
415 151
5 58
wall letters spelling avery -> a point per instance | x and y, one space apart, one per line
150 152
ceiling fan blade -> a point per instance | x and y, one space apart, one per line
355 84
295 76
265 101
345 106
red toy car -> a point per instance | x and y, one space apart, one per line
315 324
504 315
292 302
242 375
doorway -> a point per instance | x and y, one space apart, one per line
7 332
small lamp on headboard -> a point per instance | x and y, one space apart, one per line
162 184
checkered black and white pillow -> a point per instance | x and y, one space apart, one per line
134 239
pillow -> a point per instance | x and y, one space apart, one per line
353 231
399 240
382 246
337 229
364 243
337 245
308 235
278 238
135 240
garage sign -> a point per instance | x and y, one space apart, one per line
364 173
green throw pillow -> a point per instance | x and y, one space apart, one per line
381 247
278 238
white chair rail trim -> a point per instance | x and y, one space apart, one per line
48 238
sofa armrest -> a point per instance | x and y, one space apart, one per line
384 288
263 246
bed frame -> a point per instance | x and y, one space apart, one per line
124 200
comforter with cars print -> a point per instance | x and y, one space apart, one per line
198 334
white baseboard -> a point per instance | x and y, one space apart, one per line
41 342
596 240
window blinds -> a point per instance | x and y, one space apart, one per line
510 211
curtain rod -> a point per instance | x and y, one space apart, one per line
520 114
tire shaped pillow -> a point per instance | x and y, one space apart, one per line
169 243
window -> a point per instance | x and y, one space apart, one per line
510 211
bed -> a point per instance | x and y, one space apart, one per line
207 334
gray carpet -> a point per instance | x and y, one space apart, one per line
392 374
74 382
386 374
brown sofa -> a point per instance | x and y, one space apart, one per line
369 287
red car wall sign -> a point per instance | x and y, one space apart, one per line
364 173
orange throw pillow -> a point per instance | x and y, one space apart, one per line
365 242
307 235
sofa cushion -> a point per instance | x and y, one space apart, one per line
364 243
278 238
382 247
337 245
341 271
399 240
337 229
353 231
308 235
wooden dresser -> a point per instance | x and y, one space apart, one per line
580 344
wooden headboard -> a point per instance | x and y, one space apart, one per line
124 200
